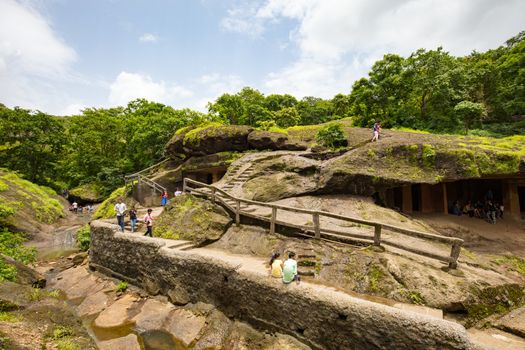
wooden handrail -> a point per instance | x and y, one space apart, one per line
317 230
146 170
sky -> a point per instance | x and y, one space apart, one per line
60 56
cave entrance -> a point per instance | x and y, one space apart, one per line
416 197
521 198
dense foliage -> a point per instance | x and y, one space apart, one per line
482 94
99 146
331 136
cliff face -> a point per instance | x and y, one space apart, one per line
320 316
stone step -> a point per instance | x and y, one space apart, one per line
306 256
306 273
180 244
249 210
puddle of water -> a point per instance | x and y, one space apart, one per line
160 340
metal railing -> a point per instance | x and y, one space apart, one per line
142 178
218 195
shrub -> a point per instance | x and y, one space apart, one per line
84 237
121 287
332 136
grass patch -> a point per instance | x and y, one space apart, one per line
512 262
375 275
121 287
67 344
106 210
9 317
84 237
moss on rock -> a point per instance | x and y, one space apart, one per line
90 192
190 218
106 210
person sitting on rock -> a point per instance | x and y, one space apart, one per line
290 269
277 265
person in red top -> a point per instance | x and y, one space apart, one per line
148 220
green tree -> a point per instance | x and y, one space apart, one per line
332 136
287 117
31 142
471 113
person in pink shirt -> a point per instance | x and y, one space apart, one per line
148 220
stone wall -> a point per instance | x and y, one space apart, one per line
319 316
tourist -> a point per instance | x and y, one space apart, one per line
80 209
178 192
490 212
377 129
276 266
468 209
456 209
501 209
75 207
120 209
290 270
133 218
148 220
164 198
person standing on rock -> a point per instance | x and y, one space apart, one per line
75 207
290 270
120 209
377 129
148 220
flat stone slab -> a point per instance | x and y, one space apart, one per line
116 315
152 315
93 304
68 278
184 325
513 322
84 287
423 310
494 339
129 342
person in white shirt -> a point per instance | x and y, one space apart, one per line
178 192
120 209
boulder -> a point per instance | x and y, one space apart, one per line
175 146
261 140
93 304
152 315
216 330
117 314
129 342
184 326
513 322
87 193
25 274
217 138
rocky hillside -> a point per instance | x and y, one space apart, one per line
25 206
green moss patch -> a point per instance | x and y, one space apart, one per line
189 218
23 201
90 192
106 210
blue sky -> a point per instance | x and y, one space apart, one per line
60 56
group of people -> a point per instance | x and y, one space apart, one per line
286 270
79 209
488 210
121 211
164 196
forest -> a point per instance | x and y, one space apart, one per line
479 94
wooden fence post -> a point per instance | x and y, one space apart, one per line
184 185
238 213
213 194
272 222
317 226
377 235
454 254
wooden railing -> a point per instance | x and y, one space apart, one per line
218 195
141 177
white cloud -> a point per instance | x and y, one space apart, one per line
33 59
129 86
148 38
243 20
339 40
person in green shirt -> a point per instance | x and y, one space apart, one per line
290 269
